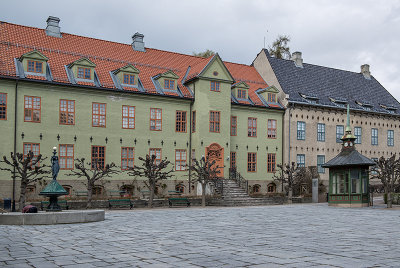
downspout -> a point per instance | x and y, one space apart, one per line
290 113
15 141
190 141
190 147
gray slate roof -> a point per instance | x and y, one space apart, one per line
349 158
325 83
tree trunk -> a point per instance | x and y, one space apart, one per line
203 194
389 199
290 196
151 195
22 195
89 195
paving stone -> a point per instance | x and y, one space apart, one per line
304 235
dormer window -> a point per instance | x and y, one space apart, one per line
129 79
215 86
84 73
240 91
169 84
126 77
309 98
389 108
33 63
339 103
271 97
35 66
167 81
241 94
365 105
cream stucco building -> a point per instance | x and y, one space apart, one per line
316 98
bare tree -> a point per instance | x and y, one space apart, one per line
280 48
93 172
27 169
204 172
388 172
303 180
204 54
286 174
153 172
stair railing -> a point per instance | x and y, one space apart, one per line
239 179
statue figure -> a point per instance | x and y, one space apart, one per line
55 167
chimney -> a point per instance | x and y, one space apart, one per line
52 28
365 71
298 60
137 42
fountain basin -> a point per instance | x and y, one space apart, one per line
46 218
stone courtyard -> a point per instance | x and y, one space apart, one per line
304 235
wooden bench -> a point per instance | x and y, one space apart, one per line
62 203
182 201
120 203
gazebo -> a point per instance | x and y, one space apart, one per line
348 174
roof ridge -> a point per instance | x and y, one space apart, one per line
108 41
311 64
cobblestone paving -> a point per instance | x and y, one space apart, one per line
269 236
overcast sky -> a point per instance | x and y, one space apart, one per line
341 34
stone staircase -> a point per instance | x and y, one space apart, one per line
234 196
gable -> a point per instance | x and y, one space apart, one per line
241 85
169 74
217 70
128 69
272 89
36 55
83 62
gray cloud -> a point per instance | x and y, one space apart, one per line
340 34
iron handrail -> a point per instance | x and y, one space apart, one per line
239 179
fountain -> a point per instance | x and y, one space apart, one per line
53 214
53 190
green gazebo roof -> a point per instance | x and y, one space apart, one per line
349 158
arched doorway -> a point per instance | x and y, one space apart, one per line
216 152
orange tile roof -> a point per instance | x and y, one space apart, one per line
15 40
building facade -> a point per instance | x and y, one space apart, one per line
111 102
316 98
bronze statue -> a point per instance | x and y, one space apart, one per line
55 166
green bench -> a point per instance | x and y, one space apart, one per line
62 203
120 203
182 201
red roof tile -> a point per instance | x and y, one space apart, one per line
15 40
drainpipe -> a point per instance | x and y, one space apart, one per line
290 113
190 148
15 141
190 141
